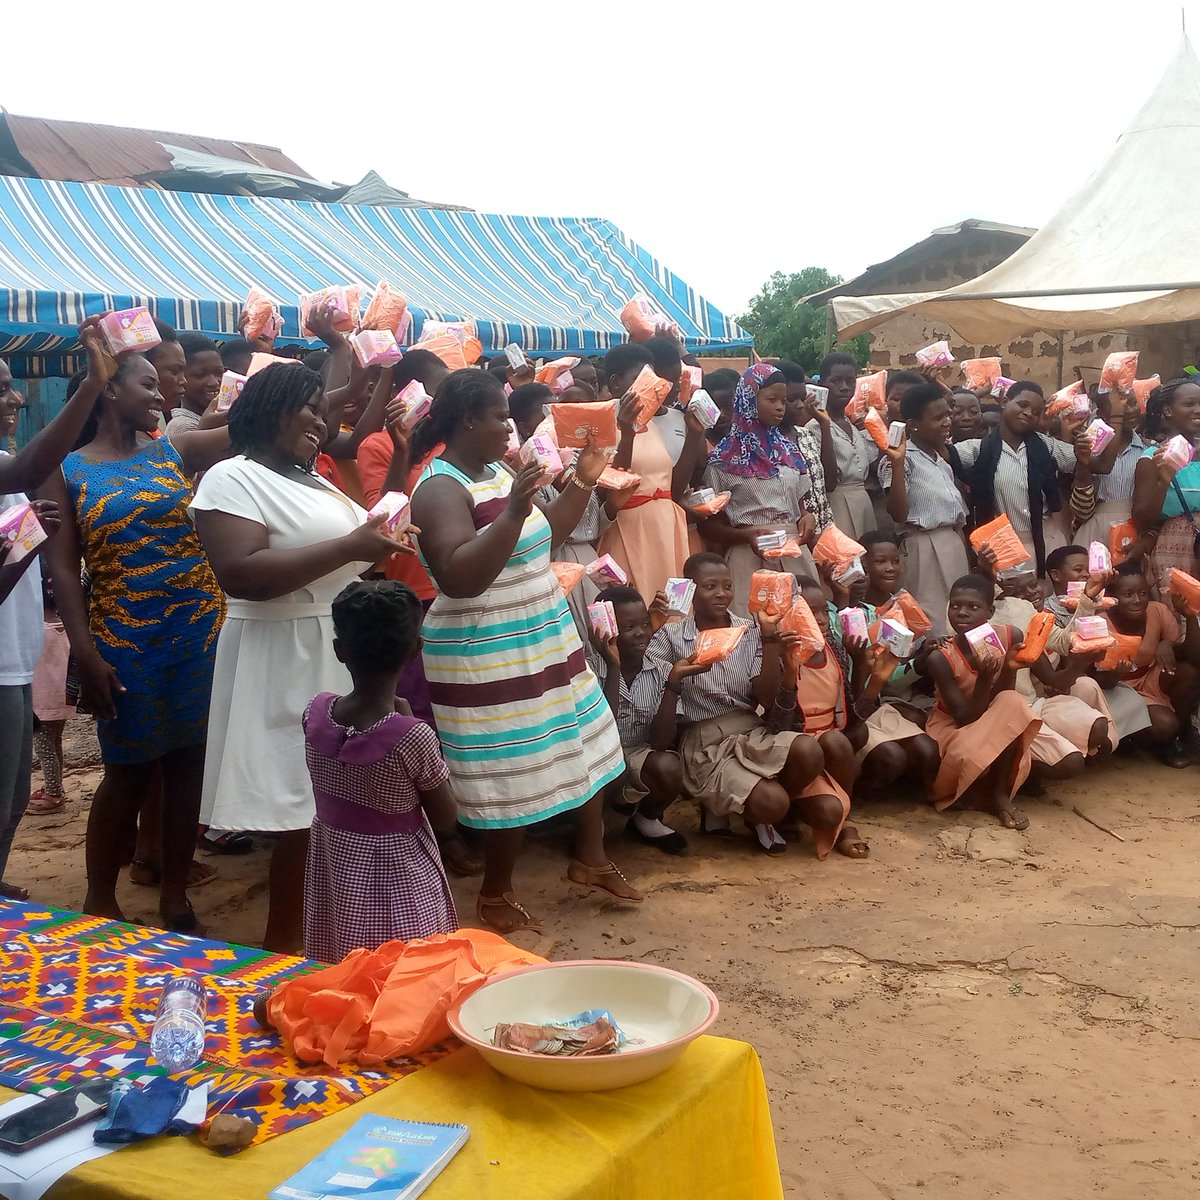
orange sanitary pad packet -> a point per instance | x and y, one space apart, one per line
388 310
1143 389
869 392
799 619
709 508
617 480
980 373
1001 538
642 320
716 645
1187 588
903 607
876 426
1036 637
448 348
1118 371
260 362
574 424
568 575
1120 538
790 549
691 380
344 299
552 370
1064 399
834 547
650 391
1124 647
260 316
771 592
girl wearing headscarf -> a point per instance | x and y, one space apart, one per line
766 478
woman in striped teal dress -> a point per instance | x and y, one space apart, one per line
524 726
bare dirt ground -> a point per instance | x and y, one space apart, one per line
972 1012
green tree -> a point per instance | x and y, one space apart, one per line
784 328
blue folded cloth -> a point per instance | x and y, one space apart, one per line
162 1106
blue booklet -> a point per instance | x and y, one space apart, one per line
377 1157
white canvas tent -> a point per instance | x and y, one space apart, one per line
1123 251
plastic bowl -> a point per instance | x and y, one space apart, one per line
660 1011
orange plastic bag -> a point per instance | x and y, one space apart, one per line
1036 637
771 592
903 607
799 619
870 391
575 423
617 480
1187 588
1143 389
260 316
568 575
1000 537
980 373
345 300
1120 540
377 1005
1118 371
875 425
388 310
650 391
716 645
835 548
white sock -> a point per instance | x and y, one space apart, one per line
651 826
767 837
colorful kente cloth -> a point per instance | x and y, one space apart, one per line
155 608
78 996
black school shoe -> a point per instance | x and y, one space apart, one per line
668 843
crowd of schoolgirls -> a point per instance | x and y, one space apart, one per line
487 594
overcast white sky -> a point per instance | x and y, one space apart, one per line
731 140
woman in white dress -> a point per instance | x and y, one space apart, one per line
283 543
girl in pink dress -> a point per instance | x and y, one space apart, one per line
381 787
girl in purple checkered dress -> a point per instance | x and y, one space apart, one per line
381 787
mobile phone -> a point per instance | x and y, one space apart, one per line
54 1115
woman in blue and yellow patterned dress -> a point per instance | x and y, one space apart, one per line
146 638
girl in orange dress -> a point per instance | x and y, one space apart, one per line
982 726
817 694
648 536
1155 658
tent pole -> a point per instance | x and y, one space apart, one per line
1060 359
830 328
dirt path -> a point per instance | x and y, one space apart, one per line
972 1012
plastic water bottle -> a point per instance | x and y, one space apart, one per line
177 1038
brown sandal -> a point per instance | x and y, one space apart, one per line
608 878
504 928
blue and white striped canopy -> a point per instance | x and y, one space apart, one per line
68 250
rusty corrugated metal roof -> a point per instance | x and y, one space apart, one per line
86 153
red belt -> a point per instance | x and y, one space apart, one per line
638 501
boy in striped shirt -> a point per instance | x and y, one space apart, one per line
644 696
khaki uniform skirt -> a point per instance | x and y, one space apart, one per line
725 758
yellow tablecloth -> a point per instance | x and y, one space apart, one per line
700 1131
